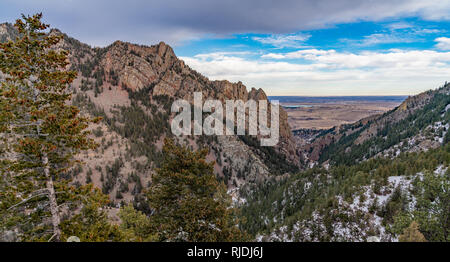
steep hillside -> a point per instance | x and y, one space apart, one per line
419 123
132 87
375 198
376 177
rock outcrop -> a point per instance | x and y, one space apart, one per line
131 86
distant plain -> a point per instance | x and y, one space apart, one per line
326 112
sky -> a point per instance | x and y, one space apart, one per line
290 47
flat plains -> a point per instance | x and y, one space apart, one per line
327 115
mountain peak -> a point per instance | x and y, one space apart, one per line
162 43
165 50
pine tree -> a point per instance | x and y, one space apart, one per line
188 202
412 234
92 224
40 133
136 225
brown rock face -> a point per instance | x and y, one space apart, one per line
132 86
157 67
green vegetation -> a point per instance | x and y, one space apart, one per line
41 134
42 196
346 151
412 234
316 190
136 225
275 161
188 202
431 213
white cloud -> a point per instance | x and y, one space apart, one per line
307 53
396 33
443 43
427 31
288 40
399 25
221 55
328 72
391 59
375 39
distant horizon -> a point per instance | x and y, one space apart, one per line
320 96
336 99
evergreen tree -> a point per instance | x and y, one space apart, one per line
188 202
431 211
412 234
92 224
40 134
136 225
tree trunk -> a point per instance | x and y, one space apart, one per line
52 198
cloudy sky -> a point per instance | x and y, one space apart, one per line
298 47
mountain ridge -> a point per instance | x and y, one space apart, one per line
370 180
132 86
369 128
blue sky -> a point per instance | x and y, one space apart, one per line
409 33
388 57
301 47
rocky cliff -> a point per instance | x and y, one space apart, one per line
132 86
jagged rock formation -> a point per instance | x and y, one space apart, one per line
132 87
